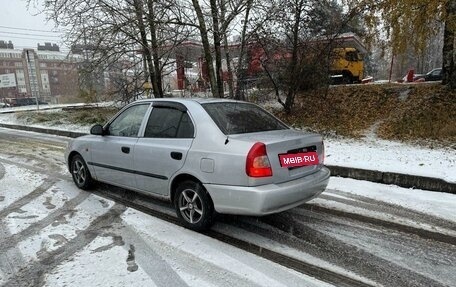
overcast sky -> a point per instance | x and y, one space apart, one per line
25 28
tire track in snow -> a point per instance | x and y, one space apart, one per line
385 207
9 242
432 234
43 155
40 170
2 171
10 260
164 211
34 273
429 258
297 234
159 271
48 183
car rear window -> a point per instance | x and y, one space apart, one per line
238 118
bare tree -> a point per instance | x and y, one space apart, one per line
295 42
219 15
109 30
244 38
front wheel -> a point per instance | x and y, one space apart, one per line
194 206
80 173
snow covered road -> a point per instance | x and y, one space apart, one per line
53 234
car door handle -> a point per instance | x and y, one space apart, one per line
125 149
176 155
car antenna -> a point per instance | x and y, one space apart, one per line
229 127
227 140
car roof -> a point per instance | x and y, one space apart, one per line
189 100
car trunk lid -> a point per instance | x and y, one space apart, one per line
286 142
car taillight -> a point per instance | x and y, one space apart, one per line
257 163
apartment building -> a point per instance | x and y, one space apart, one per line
45 72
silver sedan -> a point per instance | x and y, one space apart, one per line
205 156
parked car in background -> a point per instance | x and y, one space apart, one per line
4 105
411 77
419 77
205 156
17 102
434 75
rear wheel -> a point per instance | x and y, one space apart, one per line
347 79
80 172
194 206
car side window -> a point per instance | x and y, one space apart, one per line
169 123
127 124
351 56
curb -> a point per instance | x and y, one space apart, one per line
44 130
399 179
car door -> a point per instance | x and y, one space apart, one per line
112 154
161 152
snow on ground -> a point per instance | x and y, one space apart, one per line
439 204
35 210
67 226
21 179
41 107
383 155
10 118
213 263
96 266
273 245
140 250
157 253
51 107
166 252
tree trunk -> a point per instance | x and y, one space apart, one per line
207 48
227 52
274 84
157 79
239 74
292 70
142 30
217 47
449 73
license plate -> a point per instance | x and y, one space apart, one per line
298 159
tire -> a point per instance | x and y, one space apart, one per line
80 173
347 80
194 206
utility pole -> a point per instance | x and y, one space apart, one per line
391 68
31 67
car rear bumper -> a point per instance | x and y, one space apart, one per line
270 198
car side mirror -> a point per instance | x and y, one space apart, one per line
97 130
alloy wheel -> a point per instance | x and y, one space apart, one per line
79 172
191 206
